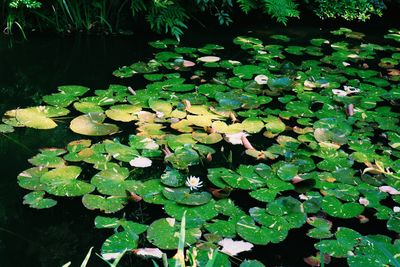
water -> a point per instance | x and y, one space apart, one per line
35 68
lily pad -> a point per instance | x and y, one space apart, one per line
335 208
186 197
63 182
92 124
105 204
36 200
164 234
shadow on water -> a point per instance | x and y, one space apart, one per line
35 68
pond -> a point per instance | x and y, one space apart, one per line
53 236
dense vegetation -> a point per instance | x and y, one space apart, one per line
167 16
230 152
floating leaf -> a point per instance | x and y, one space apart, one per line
63 182
186 197
92 124
233 248
106 204
36 200
335 208
164 233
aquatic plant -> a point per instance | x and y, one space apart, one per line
307 136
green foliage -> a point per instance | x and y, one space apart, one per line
25 3
349 10
168 16
281 10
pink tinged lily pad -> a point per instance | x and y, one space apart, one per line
389 189
297 179
233 248
188 63
235 138
339 92
149 252
209 59
140 162
363 201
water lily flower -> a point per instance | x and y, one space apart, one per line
194 182
140 162
396 209
261 79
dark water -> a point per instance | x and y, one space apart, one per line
35 68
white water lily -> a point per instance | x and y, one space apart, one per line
396 209
141 162
194 182
236 138
261 79
233 248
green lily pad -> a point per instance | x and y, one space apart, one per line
164 234
183 157
287 171
5 128
335 208
92 124
111 182
120 242
105 204
87 107
59 99
249 231
115 223
186 197
48 158
151 191
34 117
222 228
30 178
248 71
73 90
36 200
172 177
203 212
208 139
63 182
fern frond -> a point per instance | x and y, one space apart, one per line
170 19
281 10
246 5
138 6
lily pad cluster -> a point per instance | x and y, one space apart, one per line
310 134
